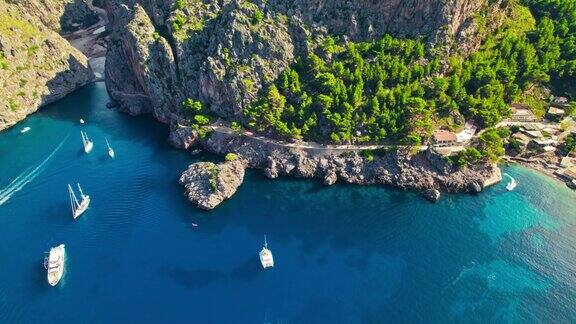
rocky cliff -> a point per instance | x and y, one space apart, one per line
37 66
223 52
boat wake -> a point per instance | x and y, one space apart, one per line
512 184
26 177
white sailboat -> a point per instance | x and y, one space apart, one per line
266 257
54 264
88 145
78 208
512 184
81 121
110 149
25 130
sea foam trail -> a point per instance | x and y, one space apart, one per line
26 177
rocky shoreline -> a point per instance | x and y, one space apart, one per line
425 171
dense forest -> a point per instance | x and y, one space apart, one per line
395 90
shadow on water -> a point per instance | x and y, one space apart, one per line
58 213
193 279
246 271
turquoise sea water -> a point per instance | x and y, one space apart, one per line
344 254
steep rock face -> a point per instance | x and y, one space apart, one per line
208 184
223 52
367 19
140 67
37 66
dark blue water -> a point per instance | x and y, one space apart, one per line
344 254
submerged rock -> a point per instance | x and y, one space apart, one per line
431 194
208 184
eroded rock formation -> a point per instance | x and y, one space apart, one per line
208 184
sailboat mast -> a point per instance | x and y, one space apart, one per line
73 200
80 189
83 138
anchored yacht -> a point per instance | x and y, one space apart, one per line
266 257
88 144
110 149
78 208
54 264
25 130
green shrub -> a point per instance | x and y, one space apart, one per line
214 178
368 155
3 62
569 145
257 17
230 157
179 4
192 106
33 49
236 126
467 156
12 104
178 22
201 120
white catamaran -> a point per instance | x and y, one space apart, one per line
110 149
54 264
88 145
78 207
266 257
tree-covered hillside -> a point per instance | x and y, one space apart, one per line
398 90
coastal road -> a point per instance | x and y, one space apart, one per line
304 145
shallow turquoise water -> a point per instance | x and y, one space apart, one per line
343 254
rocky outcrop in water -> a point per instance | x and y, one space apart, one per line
208 184
224 52
423 171
37 66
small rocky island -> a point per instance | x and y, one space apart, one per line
208 184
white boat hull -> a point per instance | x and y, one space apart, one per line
55 264
88 147
24 130
111 153
82 207
266 258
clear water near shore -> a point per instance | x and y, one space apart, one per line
344 254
